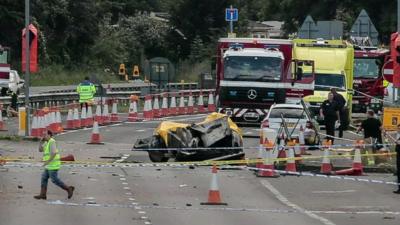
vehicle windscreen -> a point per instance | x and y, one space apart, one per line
4 57
288 113
252 68
324 82
366 67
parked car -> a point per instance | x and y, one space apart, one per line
287 119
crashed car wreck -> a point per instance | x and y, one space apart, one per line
215 137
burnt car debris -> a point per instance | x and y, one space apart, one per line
215 137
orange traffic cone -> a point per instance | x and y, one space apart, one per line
172 110
77 122
302 142
357 167
211 105
200 104
267 168
95 139
83 117
133 114
148 111
164 106
106 115
182 109
89 116
70 120
290 162
2 125
190 108
59 127
214 197
35 126
282 147
114 112
67 158
326 166
98 116
156 107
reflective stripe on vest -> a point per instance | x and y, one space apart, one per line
55 164
86 92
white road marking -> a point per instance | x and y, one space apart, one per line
140 130
332 192
285 201
128 193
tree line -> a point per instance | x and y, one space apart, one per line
104 33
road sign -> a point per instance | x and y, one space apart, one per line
231 14
391 118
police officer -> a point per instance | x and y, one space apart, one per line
86 91
52 163
339 99
329 111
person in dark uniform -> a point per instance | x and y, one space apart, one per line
339 99
372 128
329 111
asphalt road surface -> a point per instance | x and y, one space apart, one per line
172 195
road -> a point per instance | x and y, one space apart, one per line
172 195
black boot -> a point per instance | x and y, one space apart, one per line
397 192
69 190
42 195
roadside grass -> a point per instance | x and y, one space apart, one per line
57 75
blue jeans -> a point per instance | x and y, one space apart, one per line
53 175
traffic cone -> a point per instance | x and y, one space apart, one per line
77 121
35 126
59 127
267 168
98 116
282 147
164 106
148 111
326 166
106 115
133 114
114 112
52 120
70 120
261 152
357 167
2 124
89 116
67 158
95 138
302 142
42 123
214 197
190 108
83 117
182 109
200 104
172 107
211 105
156 107
290 162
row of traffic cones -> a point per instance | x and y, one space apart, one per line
47 119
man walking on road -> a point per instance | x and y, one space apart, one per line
372 128
86 91
329 112
52 163
339 99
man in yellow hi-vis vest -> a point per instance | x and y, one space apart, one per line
86 91
52 163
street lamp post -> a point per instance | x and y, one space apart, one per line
27 68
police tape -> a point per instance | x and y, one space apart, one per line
226 167
16 162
